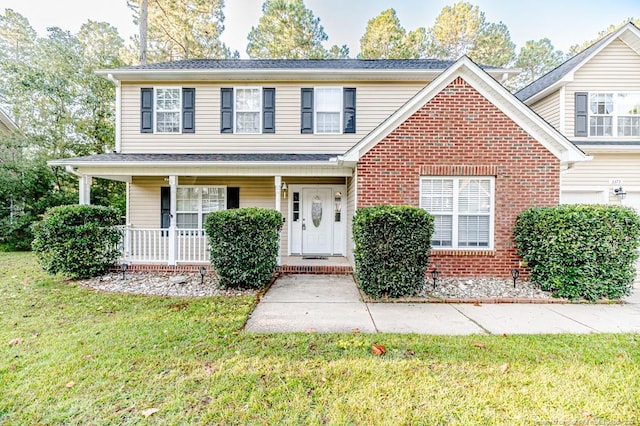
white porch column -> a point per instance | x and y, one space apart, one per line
173 240
84 189
278 185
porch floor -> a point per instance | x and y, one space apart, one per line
310 265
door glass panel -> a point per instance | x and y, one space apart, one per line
316 211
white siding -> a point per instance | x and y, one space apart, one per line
615 68
351 209
374 103
549 109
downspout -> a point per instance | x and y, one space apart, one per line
116 82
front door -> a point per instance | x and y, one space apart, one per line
317 230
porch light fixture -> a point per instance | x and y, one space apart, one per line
203 272
123 268
620 192
434 275
515 274
284 189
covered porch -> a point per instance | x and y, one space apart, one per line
169 197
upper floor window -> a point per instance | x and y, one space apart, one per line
610 114
463 210
167 110
328 110
247 110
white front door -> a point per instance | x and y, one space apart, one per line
317 218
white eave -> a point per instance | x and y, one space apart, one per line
522 115
268 74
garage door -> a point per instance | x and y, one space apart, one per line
632 200
581 197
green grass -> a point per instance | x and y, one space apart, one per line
189 359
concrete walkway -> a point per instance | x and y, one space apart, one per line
331 303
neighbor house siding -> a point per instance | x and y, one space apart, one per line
459 132
615 69
374 103
549 109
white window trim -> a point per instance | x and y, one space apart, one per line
455 213
155 110
235 109
340 112
200 211
614 116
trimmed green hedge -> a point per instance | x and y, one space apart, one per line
244 245
579 251
392 246
78 241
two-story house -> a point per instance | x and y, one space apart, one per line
594 100
317 139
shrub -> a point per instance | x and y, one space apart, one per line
78 241
244 245
580 250
392 246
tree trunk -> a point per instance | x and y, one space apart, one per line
144 14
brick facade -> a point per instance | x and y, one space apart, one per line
460 133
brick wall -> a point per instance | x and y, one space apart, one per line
458 133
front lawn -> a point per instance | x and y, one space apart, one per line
74 356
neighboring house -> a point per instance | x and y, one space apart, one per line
594 100
318 139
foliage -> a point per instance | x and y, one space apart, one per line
287 29
580 250
244 245
462 29
392 246
535 59
577 48
183 29
385 38
90 357
78 241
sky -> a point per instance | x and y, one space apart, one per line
564 22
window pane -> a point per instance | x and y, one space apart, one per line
473 231
168 99
168 122
187 220
601 103
601 126
442 235
628 104
629 126
213 199
437 195
248 99
474 196
329 99
248 122
327 122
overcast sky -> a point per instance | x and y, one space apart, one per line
565 22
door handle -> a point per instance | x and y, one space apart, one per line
304 225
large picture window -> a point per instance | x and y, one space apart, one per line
248 109
614 114
194 203
328 109
463 210
168 109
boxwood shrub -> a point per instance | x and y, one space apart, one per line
392 246
580 251
244 246
78 241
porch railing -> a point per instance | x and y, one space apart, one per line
170 246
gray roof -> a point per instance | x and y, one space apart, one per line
195 158
292 64
560 71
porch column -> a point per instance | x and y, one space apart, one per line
84 188
278 185
173 241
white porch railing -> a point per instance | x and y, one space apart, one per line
170 246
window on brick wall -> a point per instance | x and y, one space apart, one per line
463 208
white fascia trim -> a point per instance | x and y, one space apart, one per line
153 164
493 91
118 129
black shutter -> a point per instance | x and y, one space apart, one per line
349 108
165 207
226 110
582 104
146 110
268 110
306 108
233 198
188 110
